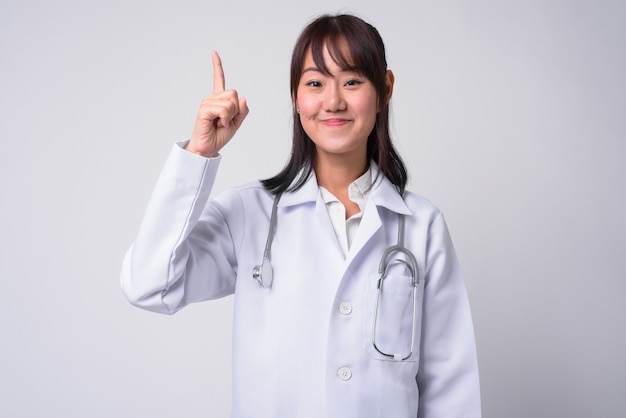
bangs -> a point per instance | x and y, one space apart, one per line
339 51
353 44
350 48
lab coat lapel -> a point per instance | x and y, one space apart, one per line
383 196
309 193
370 224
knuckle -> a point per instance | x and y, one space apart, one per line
231 94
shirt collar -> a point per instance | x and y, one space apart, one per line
382 192
358 190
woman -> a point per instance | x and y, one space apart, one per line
314 335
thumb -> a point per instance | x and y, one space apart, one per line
243 111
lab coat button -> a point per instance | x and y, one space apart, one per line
345 308
344 373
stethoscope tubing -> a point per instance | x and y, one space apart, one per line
263 274
412 266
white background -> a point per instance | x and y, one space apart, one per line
511 116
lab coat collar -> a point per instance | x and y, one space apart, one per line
305 194
383 193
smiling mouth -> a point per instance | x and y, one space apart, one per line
335 122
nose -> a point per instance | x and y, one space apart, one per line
333 98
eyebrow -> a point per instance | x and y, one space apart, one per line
311 69
318 70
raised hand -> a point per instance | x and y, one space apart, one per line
219 117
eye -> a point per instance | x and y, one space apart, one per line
313 83
353 82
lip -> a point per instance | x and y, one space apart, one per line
335 122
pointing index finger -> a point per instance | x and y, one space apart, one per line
219 82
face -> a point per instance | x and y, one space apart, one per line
337 111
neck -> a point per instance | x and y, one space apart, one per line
335 173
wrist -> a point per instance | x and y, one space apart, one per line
204 152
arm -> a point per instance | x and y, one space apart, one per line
448 374
183 251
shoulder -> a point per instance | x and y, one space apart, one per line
418 201
421 207
249 194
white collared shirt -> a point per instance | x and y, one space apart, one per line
345 229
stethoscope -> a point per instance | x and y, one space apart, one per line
264 275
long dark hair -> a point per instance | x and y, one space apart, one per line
367 56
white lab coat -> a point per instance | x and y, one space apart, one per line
303 348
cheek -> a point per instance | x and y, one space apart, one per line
367 108
307 105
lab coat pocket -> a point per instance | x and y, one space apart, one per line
389 317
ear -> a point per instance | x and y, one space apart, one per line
390 79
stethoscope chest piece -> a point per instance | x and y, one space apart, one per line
263 273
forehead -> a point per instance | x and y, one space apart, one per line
328 52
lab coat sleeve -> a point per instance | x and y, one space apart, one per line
448 374
183 251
